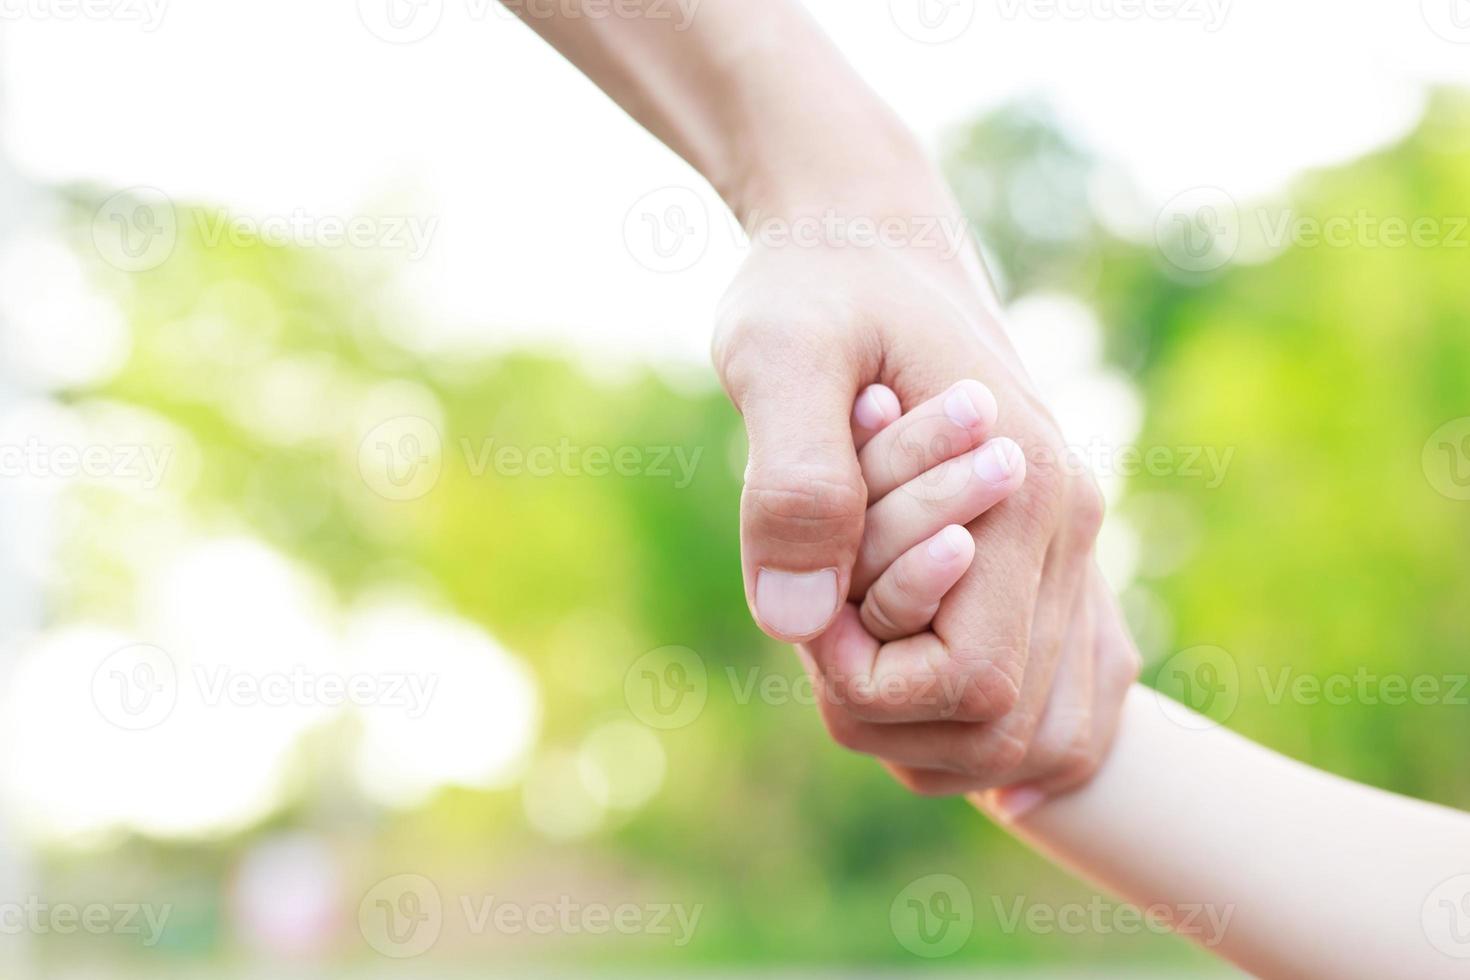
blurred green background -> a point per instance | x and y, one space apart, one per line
1334 541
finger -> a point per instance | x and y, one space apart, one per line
876 408
916 679
1057 615
906 596
939 746
1001 606
842 652
943 427
1062 752
1115 665
955 492
802 508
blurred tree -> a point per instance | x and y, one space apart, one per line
1327 547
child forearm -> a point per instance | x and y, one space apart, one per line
1319 876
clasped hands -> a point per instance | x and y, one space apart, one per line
910 519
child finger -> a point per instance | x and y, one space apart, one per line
875 409
939 429
904 599
955 492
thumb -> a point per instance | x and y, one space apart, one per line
802 509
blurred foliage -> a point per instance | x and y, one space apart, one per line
1325 549
1324 366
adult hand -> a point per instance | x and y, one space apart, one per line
802 330
760 102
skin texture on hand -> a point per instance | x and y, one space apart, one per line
800 334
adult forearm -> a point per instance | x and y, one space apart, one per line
1305 874
750 92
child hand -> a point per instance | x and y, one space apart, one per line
881 681
928 482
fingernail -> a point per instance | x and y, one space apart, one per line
795 603
997 461
970 404
1011 805
868 412
947 544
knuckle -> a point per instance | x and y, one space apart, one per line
1078 758
1040 502
985 692
857 699
1043 496
1004 752
807 503
1120 658
1076 763
748 342
904 587
1132 664
1088 511
1082 767
881 617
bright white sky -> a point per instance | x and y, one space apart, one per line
276 105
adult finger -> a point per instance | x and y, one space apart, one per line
1031 551
1115 664
1059 625
802 508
